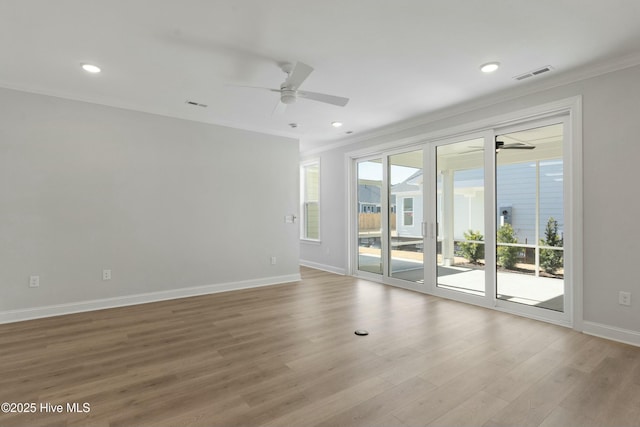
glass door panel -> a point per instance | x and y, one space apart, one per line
369 211
406 258
460 194
530 217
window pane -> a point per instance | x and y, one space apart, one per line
369 216
312 216
405 216
312 183
460 214
530 217
408 211
310 199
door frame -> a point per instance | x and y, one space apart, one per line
569 107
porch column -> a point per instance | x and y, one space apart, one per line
448 248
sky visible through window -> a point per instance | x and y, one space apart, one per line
373 171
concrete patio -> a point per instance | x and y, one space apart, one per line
521 288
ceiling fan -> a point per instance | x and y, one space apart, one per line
290 89
501 145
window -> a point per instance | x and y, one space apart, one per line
310 199
407 207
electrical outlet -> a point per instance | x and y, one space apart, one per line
106 274
34 281
624 298
273 260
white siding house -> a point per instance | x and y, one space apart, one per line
409 206
515 191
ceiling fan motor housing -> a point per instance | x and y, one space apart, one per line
287 96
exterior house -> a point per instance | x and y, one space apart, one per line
409 206
369 197
517 198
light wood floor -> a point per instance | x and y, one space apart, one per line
286 355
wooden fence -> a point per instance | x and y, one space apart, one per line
371 221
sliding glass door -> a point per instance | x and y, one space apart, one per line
480 219
406 216
530 217
369 213
390 216
460 201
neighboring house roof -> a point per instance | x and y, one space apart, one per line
411 184
466 180
369 194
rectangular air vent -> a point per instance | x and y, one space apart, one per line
196 104
523 76
533 73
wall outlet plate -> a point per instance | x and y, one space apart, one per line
34 281
624 298
106 274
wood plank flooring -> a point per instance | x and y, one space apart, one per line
286 355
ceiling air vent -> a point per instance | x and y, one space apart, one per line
196 104
533 73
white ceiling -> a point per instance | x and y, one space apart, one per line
395 60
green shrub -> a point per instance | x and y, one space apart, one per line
551 260
507 255
472 251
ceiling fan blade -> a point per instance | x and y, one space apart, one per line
518 147
280 108
513 145
322 97
298 74
255 87
473 150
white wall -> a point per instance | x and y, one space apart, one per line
166 204
611 150
330 253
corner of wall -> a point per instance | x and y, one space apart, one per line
323 267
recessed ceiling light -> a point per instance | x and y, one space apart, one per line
490 67
336 124
90 68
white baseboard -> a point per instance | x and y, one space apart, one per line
323 267
101 304
612 333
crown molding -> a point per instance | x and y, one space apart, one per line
143 110
528 88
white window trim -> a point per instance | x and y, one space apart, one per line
404 211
